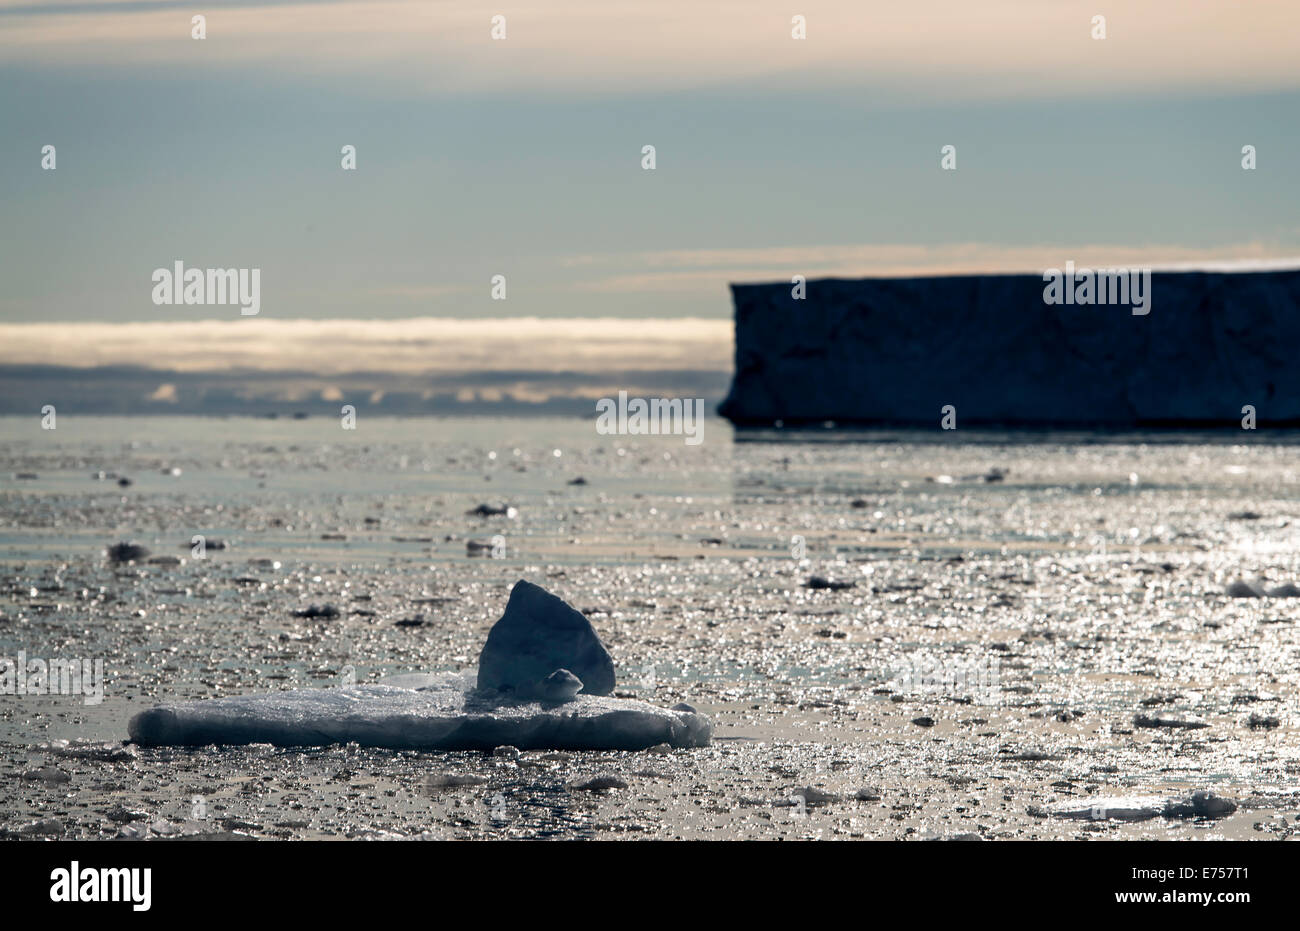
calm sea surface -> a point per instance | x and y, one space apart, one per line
1027 595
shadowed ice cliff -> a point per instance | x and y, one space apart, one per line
898 350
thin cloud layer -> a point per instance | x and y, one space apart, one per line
405 347
946 48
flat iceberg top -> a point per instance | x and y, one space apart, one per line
419 712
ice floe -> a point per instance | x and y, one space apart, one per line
1259 589
448 713
1200 804
525 695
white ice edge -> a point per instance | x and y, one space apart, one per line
418 712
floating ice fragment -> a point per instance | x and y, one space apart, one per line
488 510
1127 808
817 582
814 796
1142 720
1200 804
126 552
454 781
601 784
525 696
539 634
1260 589
318 611
448 713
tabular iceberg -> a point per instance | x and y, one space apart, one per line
899 350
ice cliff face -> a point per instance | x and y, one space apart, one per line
898 350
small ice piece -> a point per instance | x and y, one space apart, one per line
318 611
441 781
44 828
818 583
560 685
601 784
489 510
1116 808
90 750
1262 722
1200 804
120 814
812 795
126 552
1185 723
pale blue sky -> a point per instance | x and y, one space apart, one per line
225 155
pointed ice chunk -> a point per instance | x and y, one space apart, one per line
537 635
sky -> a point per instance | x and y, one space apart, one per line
522 157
